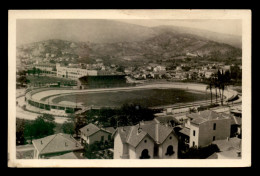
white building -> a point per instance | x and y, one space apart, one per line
74 72
208 126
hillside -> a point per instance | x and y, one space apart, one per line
94 31
166 45
233 40
105 31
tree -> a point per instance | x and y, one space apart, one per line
68 128
224 80
90 150
38 71
209 86
34 71
40 127
131 114
80 121
214 78
22 80
120 69
20 126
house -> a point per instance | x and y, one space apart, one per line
207 126
55 145
146 140
92 133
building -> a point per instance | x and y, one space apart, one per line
207 126
91 133
55 145
101 81
230 148
147 140
73 72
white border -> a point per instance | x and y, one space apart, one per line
244 15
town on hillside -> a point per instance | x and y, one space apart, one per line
169 95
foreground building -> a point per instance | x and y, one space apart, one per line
147 140
207 126
56 145
230 148
91 133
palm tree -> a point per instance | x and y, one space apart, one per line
210 86
223 82
216 85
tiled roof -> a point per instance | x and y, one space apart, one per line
110 129
213 156
226 145
69 155
56 143
230 154
130 134
185 131
203 116
166 119
90 129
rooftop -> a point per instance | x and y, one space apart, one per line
203 116
69 155
230 144
133 135
90 129
56 143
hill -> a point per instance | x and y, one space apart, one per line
165 45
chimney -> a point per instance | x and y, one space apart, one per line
41 142
66 144
227 138
139 128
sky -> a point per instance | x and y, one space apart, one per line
36 30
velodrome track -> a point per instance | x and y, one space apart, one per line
228 93
20 113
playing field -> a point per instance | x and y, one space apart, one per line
148 97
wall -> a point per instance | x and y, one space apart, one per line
118 146
163 147
196 137
222 131
97 136
149 145
132 152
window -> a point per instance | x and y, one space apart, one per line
102 138
193 144
109 137
145 154
169 150
145 141
170 137
194 132
214 126
214 138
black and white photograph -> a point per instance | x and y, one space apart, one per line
147 86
